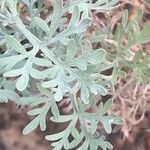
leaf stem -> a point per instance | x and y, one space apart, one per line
35 41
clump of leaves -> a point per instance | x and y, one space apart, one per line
46 60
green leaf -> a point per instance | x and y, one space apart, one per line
66 64
79 62
51 83
136 28
117 121
11 61
51 72
42 24
100 89
118 74
93 127
97 38
13 73
83 6
108 121
97 56
71 50
66 143
93 145
31 126
125 18
43 114
63 118
22 81
27 100
107 106
43 122
54 109
36 74
6 95
59 94
34 112
55 18
82 26
13 43
139 15
41 62
118 34
75 132
107 126
73 22
56 136
84 94
144 35
75 17
137 55
77 140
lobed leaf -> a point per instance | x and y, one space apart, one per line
22 81
6 95
13 43
42 24
31 126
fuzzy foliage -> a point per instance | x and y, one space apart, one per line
46 60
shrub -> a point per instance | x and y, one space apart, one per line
47 60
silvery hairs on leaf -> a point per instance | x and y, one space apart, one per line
48 59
